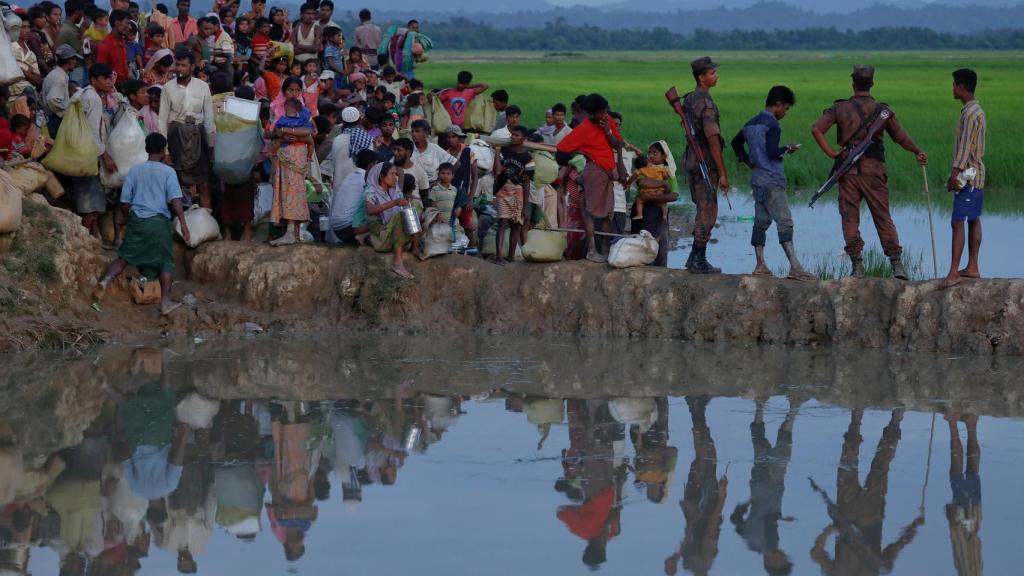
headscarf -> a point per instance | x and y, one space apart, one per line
669 160
277 104
380 195
156 57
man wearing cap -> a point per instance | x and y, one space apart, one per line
703 113
55 86
359 138
867 180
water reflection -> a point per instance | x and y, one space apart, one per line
162 470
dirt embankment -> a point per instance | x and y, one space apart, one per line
310 286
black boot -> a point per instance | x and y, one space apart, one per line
689 260
898 271
700 262
858 267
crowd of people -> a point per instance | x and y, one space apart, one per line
169 467
352 141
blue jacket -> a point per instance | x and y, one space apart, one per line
761 136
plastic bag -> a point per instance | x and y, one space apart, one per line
197 410
74 150
201 226
126 144
264 201
484 156
481 115
10 72
10 204
638 250
544 246
236 148
437 115
489 246
437 240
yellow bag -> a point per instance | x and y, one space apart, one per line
29 176
544 245
10 204
481 116
278 49
74 151
437 115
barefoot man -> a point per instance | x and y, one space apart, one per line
968 190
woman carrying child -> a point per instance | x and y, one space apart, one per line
384 203
290 155
656 194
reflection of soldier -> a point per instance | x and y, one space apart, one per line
860 511
964 512
703 498
591 477
760 529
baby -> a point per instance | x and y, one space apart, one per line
295 116
641 169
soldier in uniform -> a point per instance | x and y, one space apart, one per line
704 115
867 180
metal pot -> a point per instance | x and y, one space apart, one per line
410 221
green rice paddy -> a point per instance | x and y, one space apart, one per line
917 85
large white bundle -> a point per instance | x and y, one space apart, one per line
197 410
484 155
639 250
126 144
202 226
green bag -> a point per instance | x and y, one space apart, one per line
74 151
481 116
437 115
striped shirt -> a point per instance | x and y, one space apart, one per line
970 141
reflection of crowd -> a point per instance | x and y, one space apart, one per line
166 467
163 466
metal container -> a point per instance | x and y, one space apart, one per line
412 438
410 221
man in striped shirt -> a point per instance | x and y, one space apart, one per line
968 189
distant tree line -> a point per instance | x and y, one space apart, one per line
560 36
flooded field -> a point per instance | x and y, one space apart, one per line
397 455
819 238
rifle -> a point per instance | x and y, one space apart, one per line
691 138
852 155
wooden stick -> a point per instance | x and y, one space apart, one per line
931 227
596 233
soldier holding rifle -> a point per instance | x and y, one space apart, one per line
866 179
705 142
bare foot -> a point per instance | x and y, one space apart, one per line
99 291
401 271
951 416
168 306
802 275
949 281
762 270
500 261
970 273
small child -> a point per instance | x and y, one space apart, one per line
413 111
641 169
311 86
334 55
409 191
443 194
135 52
20 125
100 26
295 116
154 40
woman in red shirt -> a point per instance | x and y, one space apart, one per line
598 139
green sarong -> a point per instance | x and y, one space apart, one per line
387 237
148 245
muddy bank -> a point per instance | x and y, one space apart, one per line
353 289
46 299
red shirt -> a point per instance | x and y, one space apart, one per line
590 519
114 53
588 138
456 102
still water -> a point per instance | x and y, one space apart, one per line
398 455
818 237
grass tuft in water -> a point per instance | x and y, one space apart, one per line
876 265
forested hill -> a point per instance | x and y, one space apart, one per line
561 36
760 16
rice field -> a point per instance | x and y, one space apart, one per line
917 85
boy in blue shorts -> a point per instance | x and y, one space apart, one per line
967 178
